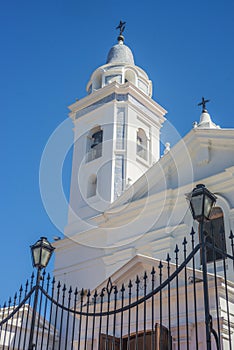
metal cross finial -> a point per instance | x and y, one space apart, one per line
121 27
203 104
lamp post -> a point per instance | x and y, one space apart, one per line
41 252
201 201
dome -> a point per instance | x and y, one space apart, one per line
120 53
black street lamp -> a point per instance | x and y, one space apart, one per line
41 251
201 201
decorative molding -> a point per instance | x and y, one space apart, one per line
117 89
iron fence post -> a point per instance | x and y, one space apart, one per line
205 287
30 344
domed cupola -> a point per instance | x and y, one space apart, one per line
120 68
120 53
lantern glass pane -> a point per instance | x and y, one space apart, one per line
45 257
207 206
196 205
36 255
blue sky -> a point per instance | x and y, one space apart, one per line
49 50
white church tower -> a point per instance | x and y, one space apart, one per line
116 140
116 134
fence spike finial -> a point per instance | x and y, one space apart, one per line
160 266
137 281
122 288
192 233
176 253
168 259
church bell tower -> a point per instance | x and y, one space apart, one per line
116 134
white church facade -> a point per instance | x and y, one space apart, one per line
128 209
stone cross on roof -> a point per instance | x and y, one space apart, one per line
203 104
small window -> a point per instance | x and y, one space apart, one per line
142 149
215 235
92 186
94 144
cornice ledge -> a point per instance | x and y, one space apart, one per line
118 89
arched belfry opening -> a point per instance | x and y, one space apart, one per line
130 76
142 144
94 143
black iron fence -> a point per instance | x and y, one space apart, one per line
163 308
